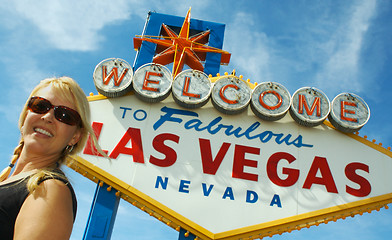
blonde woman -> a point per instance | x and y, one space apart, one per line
37 201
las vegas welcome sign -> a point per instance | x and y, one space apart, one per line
220 158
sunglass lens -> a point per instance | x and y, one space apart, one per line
39 105
66 116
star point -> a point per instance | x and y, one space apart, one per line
180 49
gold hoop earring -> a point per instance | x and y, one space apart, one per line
69 148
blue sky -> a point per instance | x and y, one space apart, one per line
336 46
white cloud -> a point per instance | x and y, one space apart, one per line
250 52
32 27
180 7
344 49
72 25
321 49
25 76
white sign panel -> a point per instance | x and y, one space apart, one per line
223 175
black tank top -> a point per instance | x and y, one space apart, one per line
12 197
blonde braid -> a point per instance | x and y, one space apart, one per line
6 172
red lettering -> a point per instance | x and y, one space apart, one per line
90 148
185 90
326 179
222 93
343 110
113 74
364 185
210 166
136 150
272 165
147 81
302 102
261 100
170 154
240 162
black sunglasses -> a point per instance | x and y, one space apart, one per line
63 114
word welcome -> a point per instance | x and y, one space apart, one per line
231 95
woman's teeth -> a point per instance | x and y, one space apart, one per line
40 130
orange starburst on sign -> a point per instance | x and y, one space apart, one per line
181 49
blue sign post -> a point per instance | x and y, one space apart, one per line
102 214
184 235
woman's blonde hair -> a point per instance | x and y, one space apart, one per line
69 90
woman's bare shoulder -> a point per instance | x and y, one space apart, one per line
46 212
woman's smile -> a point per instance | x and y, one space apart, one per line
43 131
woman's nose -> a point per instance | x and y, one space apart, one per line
49 116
